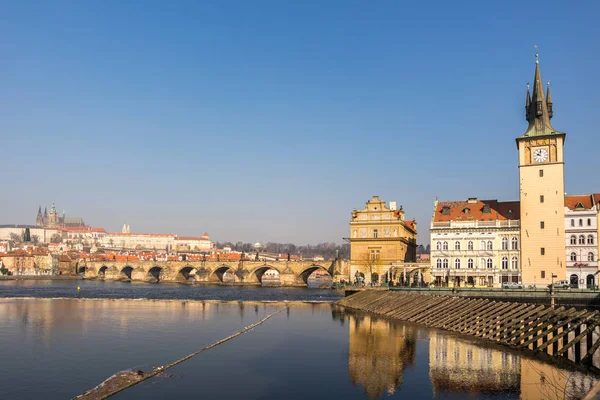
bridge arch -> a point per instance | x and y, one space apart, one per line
223 274
81 269
186 274
102 272
154 273
126 272
267 275
324 278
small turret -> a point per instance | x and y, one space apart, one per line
527 103
549 101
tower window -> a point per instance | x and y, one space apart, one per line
589 222
580 222
572 222
543 251
541 173
541 224
541 198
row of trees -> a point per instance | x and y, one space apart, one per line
327 250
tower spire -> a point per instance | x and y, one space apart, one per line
539 111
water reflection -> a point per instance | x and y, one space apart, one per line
380 351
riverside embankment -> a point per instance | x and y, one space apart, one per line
561 332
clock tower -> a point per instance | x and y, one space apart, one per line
542 190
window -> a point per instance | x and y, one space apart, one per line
445 210
482 263
572 222
445 246
457 245
457 263
374 255
489 263
541 224
504 262
504 243
541 198
470 245
581 239
573 257
590 256
445 263
573 239
438 246
375 233
543 251
543 274
580 222
470 263
514 243
541 173
490 245
487 209
514 262
589 222
590 239
438 263
482 245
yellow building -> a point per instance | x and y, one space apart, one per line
542 191
380 239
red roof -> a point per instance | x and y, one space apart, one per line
585 200
191 238
474 210
141 234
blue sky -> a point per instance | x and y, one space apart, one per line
271 120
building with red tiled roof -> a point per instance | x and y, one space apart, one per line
581 239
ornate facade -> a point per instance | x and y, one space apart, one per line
380 239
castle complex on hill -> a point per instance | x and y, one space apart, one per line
53 220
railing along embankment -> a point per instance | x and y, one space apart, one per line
559 332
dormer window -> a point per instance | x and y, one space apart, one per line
467 210
579 206
487 209
445 210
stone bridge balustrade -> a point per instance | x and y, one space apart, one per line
291 273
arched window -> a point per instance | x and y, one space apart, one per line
438 263
590 256
573 256
482 245
572 222
445 246
504 243
470 245
573 239
514 243
590 239
490 245
581 239
504 262
457 245
489 263
457 263
514 262
438 245
580 222
445 263
470 263
482 263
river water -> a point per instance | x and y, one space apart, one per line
56 348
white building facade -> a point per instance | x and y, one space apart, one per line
475 243
581 239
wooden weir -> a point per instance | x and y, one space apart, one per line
559 332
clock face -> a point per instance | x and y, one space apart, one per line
540 155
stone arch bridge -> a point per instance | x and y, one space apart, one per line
291 273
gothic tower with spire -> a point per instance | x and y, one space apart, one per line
542 190
39 219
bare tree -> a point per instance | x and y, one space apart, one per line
371 263
35 239
56 238
15 238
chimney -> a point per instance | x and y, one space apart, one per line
393 205
472 200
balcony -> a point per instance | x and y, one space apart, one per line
476 224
